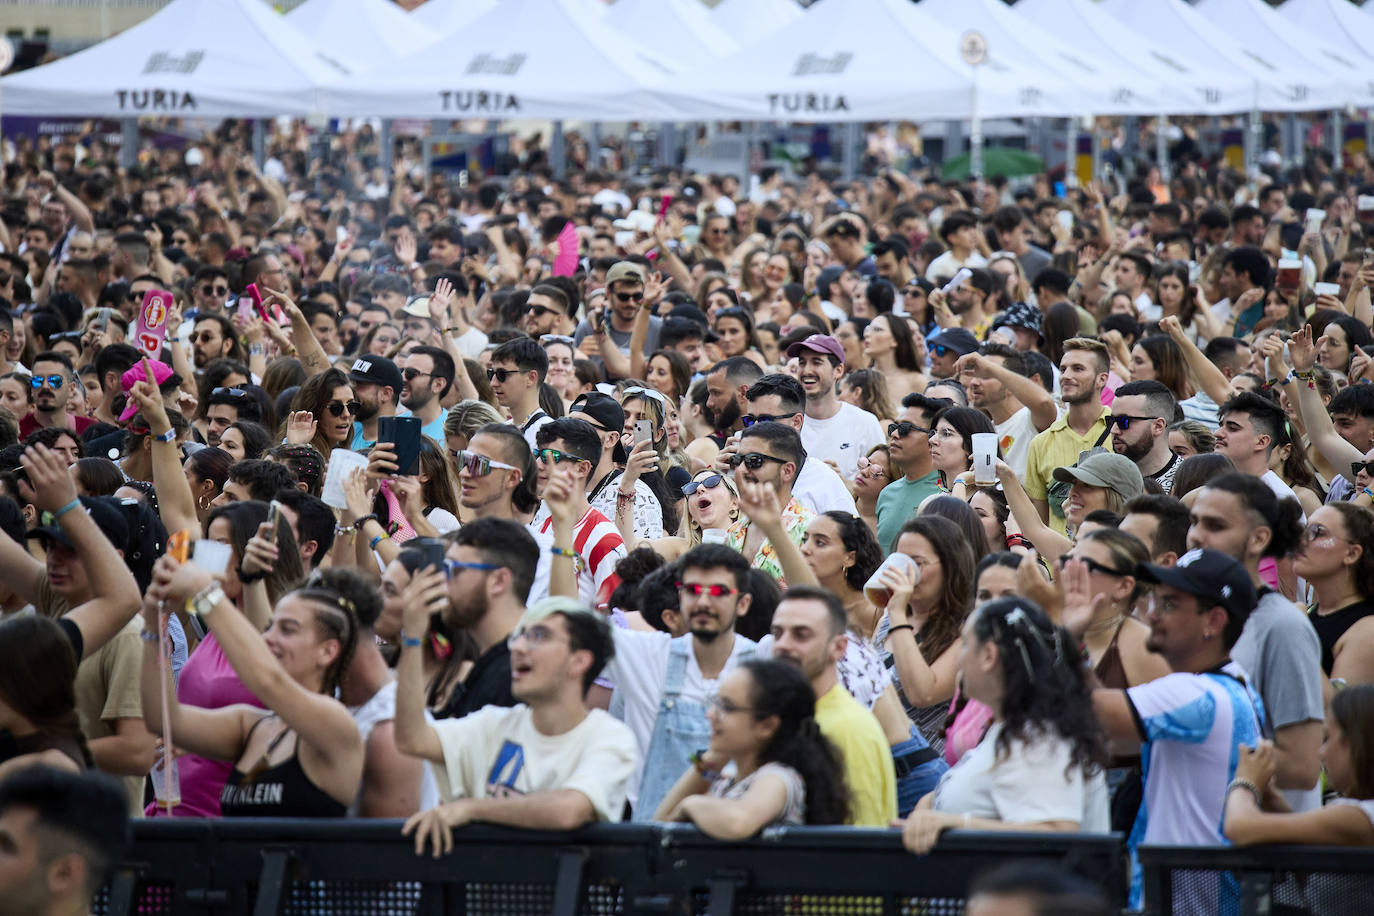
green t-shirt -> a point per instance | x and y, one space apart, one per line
898 502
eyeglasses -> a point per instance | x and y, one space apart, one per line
1093 566
535 636
630 297
204 337
546 339
235 393
725 707
208 290
1367 466
412 374
696 589
557 457
53 381
477 465
500 375
941 350
708 483
754 460
873 468
1124 420
456 566
540 311
339 408
750 419
945 433
1319 532
905 428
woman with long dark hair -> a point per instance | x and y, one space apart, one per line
322 412
1040 765
1336 557
890 345
38 721
951 445
786 771
1158 358
735 328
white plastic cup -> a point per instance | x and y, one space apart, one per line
875 591
985 459
211 556
1315 218
166 784
713 535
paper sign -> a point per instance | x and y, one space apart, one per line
152 322
342 462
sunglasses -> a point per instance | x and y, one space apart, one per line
1093 566
754 460
707 483
873 468
477 465
750 419
500 375
1318 532
1124 420
650 393
236 393
339 408
630 297
456 566
208 290
905 428
941 350
546 339
53 381
1366 466
540 311
412 374
715 591
557 457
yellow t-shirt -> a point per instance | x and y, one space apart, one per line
867 757
1058 446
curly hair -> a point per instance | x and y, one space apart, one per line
783 691
857 538
1044 686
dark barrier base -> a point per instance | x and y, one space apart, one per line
1259 880
364 868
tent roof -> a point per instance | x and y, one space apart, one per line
1175 24
746 21
365 32
855 60
569 63
1348 28
444 16
684 25
1108 86
1330 74
1085 24
206 58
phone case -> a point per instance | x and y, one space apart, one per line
404 434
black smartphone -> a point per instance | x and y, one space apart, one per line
433 551
404 435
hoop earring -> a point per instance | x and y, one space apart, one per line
204 503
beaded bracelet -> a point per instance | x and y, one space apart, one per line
377 540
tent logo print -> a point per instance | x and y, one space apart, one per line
819 64
162 62
496 66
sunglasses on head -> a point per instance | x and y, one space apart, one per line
754 460
477 465
705 483
905 428
235 393
630 297
53 381
500 375
638 392
557 457
1366 466
339 408
750 419
546 339
1124 420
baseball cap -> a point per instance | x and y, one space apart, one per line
818 343
624 270
1021 315
959 340
1214 577
1105 469
103 510
603 409
418 307
376 370
161 372
547 607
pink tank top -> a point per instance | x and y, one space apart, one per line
210 682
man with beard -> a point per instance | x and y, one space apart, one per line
665 683
1018 406
625 287
213 337
53 379
428 373
547 311
377 385
834 430
1083 374
489 571
810 633
727 385
1139 422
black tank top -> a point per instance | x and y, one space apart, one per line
280 791
1331 627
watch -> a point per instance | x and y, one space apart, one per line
204 601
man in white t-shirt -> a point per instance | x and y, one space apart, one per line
663 685
1191 721
1018 406
779 397
548 763
834 430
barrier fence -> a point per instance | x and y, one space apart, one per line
352 868
1259 880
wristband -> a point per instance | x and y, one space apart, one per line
410 642
169 436
1248 786
344 531
1368 492
900 626
370 517
377 540
563 552
74 504
454 331
148 635
248 578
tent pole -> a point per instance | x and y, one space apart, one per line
128 146
385 141
975 135
954 139
1070 154
667 144
1162 148
851 150
1291 147
558 151
1337 130
259 141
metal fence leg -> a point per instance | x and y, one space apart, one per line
567 888
272 883
722 889
1256 893
123 887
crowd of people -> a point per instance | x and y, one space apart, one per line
781 501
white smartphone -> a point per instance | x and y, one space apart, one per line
1065 218
1326 289
644 431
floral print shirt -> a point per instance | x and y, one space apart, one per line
795 518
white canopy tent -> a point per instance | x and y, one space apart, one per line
563 65
445 16
746 21
860 60
1107 86
1278 86
1084 24
366 33
686 26
193 58
1347 28
1330 76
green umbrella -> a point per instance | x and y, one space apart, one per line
997 161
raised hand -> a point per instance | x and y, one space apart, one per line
260 553
300 427
439 301
48 475
759 501
1301 353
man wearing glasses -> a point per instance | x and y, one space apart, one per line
517 369
209 291
624 298
428 374
1139 421
52 381
908 445
771 454
547 311
377 384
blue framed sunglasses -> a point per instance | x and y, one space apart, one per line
53 381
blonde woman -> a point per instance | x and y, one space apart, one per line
712 505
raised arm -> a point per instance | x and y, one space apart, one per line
426 594
1339 453
176 503
1047 541
563 563
451 317
1030 393
81 214
312 355
759 501
922 683
1209 378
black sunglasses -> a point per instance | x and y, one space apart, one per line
750 419
630 297
540 311
905 428
754 460
1093 566
338 408
1124 420
709 483
1366 466
500 375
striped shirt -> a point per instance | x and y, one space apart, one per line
599 547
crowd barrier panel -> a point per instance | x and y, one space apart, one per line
1258 880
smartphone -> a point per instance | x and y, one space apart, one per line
644 431
432 549
594 316
1326 289
254 297
273 513
1065 218
404 435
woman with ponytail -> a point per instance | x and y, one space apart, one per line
786 772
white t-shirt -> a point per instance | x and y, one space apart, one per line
497 752
844 438
531 429
381 707
1281 489
1033 783
1014 435
640 669
947 265
820 489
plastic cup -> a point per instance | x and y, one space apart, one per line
985 459
1290 274
1314 219
1365 208
875 591
166 784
